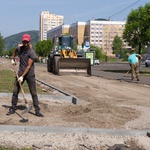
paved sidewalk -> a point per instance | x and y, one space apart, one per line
120 76
99 71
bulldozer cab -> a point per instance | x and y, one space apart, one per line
63 45
65 42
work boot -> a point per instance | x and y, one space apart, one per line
37 113
11 111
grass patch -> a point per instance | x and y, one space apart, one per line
145 74
11 148
7 78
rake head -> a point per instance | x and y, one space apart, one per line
26 110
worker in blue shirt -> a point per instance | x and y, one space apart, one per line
133 61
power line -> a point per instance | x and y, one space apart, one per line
123 9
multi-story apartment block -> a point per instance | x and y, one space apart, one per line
102 33
48 21
75 29
60 30
96 32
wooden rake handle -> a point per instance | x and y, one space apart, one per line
22 90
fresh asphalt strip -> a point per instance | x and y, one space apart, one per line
58 130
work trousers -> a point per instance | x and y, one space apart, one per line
135 70
32 87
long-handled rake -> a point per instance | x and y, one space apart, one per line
28 108
127 72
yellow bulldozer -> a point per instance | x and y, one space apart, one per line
64 57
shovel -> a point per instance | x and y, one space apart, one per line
28 108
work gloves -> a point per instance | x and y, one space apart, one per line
20 79
13 62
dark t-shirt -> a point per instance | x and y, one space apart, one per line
24 57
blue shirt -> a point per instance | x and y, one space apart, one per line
133 59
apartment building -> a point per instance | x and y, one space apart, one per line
75 29
102 33
60 30
48 21
97 32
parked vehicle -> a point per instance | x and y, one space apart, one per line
96 62
147 62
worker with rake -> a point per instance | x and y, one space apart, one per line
26 72
133 61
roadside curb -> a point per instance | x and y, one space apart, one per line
41 97
73 98
43 129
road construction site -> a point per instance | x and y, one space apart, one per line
86 112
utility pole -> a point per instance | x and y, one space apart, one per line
106 58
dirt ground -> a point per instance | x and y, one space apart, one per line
103 103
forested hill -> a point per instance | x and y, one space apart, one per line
14 40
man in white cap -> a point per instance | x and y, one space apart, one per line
26 72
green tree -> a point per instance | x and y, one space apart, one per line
98 52
117 45
44 47
137 28
1 45
9 52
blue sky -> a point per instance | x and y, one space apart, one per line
23 15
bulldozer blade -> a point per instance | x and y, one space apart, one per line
28 108
73 63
